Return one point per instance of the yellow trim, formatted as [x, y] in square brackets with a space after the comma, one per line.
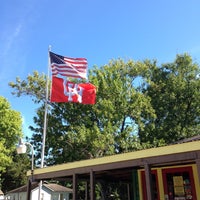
[196, 181]
[140, 184]
[160, 151]
[160, 184]
[177, 166]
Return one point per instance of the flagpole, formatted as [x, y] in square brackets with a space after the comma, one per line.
[45, 123]
[45, 113]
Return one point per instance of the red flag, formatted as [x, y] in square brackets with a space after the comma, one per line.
[65, 91]
[69, 67]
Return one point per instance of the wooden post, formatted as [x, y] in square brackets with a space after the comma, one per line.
[86, 190]
[198, 164]
[148, 181]
[135, 189]
[92, 185]
[28, 195]
[128, 191]
[75, 184]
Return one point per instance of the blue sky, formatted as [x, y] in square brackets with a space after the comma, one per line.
[99, 30]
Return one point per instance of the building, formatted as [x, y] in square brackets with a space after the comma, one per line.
[50, 191]
[164, 173]
[1, 195]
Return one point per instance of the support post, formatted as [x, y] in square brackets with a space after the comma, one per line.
[128, 191]
[198, 168]
[28, 194]
[86, 190]
[75, 184]
[92, 185]
[148, 179]
[135, 189]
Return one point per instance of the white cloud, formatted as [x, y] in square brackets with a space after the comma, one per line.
[12, 38]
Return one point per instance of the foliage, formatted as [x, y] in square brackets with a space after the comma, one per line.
[10, 131]
[138, 105]
[174, 89]
[78, 131]
[33, 87]
[11, 171]
[15, 174]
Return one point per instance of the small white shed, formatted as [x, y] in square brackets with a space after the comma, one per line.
[1, 195]
[50, 191]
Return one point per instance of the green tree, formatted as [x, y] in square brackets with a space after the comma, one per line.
[10, 131]
[174, 89]
[77, 131]
[15, 174]
[139, 105]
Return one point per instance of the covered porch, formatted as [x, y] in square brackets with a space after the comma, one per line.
[124, 168]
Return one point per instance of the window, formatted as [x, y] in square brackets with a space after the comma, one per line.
[42, 196]
[179, 184]
[61, 196]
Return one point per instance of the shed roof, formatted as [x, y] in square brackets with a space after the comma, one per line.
[57, 188]
[51, 186]
[24, 188]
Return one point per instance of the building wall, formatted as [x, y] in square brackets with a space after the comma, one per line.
[47, 195]
[60, 196]
[44, 195]
[34, 195]
[158, 173]
[16, 196]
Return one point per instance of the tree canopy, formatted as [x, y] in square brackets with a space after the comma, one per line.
[174, 89]
[12, 166]
[10, 131]
[138, 105]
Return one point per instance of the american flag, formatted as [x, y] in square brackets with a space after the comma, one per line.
[69, 67]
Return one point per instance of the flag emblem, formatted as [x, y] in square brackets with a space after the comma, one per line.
[65, 91]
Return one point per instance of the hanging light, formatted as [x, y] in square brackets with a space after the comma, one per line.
[21, 147]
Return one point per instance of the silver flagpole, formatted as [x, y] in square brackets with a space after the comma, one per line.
[45, 123]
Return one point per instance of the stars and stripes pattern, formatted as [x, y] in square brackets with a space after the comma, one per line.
[68, 67]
